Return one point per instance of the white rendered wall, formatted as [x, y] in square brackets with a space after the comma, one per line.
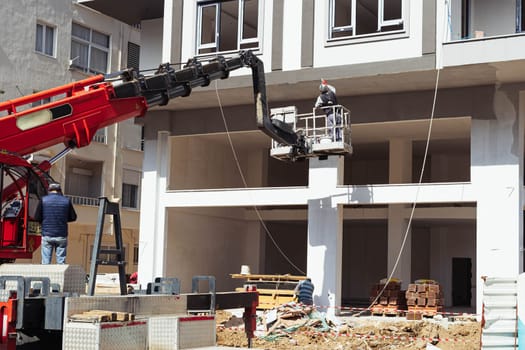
[151, 43]
[152, 240]
[325, 232]
[292, 25]
[484, 51]
[496, 158]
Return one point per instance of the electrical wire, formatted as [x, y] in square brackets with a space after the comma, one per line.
[420, 181]
[236, 158]
[414, 204]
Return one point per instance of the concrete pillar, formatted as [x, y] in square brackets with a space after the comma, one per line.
[496, 173]
[400, 161]
[172, 31]
[399, 245]
[440, 262]
[152, 239]
[399, 234]
[325, 232]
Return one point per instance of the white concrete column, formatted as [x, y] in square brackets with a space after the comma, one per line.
[167, 28]
[399, 245]
[496, 173]
[292, 40]
[152, 239]
[325, 232]
[399, 234]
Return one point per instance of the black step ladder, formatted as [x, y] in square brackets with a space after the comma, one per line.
[108, 208]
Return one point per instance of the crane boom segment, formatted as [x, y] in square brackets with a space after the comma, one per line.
[71, 114]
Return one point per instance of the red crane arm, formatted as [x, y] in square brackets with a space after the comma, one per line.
[77, 110]
[88, 105]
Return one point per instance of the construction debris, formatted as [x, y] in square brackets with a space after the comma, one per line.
[274, 290]
[295, 325]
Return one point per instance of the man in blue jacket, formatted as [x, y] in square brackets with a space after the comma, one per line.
[54, 211]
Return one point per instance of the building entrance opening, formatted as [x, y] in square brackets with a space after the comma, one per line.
[461, 281]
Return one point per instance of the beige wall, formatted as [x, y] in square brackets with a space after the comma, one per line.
[24, 71]
[207, 161]
[210, 241]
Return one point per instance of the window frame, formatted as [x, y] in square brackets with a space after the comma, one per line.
[132, 173]
[45, 26]
[215, 45]
[135, 254]
[135, 196]
[352, 26]
[90, 45]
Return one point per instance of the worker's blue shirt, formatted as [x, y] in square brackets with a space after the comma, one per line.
[54, 212]
[305, 292]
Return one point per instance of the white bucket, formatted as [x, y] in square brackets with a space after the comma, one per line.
[245, 270]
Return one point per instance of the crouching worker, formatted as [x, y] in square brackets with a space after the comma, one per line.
[304, 292]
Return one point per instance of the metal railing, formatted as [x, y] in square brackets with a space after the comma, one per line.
[80, 200]
[100, 138]
[317, 127]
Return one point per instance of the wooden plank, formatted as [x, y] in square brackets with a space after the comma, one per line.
[258, 277]
[112, 316]
[269, 302]
[385, 310]
[271, 291]
[102, 316]
[90, 317]
[425, 310]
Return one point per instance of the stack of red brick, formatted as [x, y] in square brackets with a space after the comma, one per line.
[392, 299]
[425, 297]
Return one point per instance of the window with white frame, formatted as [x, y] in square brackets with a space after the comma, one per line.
[89, 49]
[130, 188]
[227, 25]
[351, 18]
[45, 39]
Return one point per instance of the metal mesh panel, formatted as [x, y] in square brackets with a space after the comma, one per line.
[70, 278]
[144, 305]
[180, 332]
[106, 336]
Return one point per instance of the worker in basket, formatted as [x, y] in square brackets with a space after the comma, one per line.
[327, 100]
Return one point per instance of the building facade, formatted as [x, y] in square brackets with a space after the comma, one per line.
[450, 209]
[46, 44]
[433, 189]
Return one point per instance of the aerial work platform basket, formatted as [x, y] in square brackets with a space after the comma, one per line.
[323, 135]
